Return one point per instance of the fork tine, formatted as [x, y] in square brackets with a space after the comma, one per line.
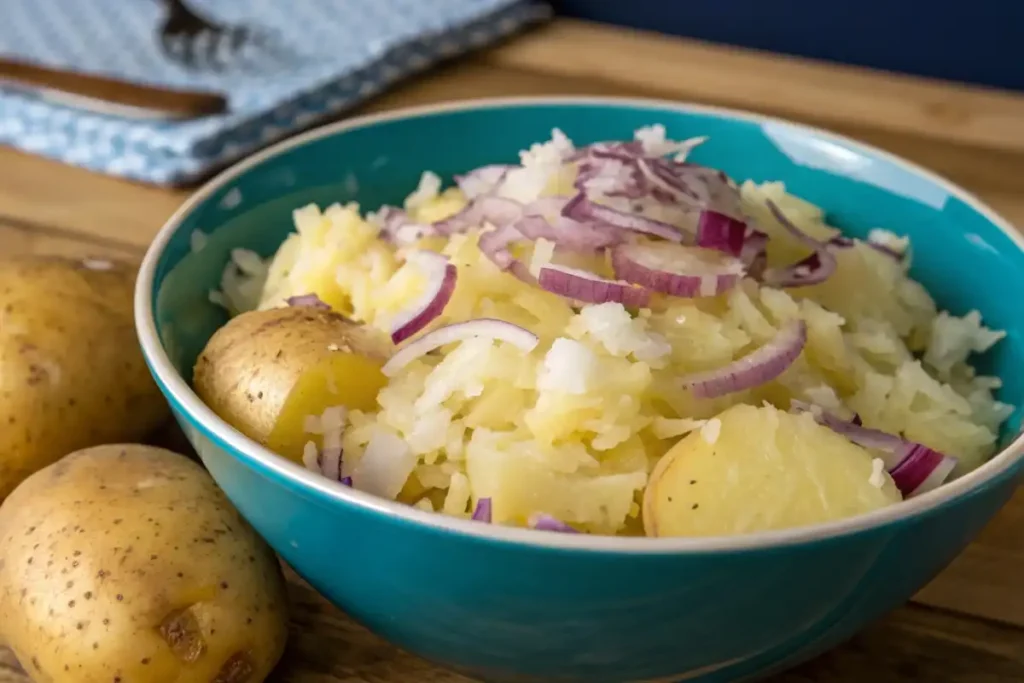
[212, 52]
[188, 50]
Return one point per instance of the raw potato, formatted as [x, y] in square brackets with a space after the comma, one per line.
[758, 469]
[265, 371]
[127, 563]
[71, 372]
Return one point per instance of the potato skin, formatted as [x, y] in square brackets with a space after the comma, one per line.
[127, 563]
[251, 364]
[71, 371]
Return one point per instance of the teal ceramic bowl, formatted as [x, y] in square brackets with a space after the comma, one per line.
[507, 604]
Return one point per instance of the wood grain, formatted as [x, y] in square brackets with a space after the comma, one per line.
[967, 626]
[912, 644]
[790, 86]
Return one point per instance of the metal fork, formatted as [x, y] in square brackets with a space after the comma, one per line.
[196, 42]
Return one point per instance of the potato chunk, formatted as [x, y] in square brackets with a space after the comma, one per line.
[758, 469]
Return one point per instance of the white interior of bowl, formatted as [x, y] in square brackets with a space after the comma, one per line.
[998, 465]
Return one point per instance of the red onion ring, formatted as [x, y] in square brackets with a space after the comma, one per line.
[499, 330]
[757, 367]
[494, 244]
[398, 228]
[590, 288]
[754, 254]
[718, 231]
[675, 269]
[441, 278]
[581, 209]
[487, 209]
[914, 467]
[812, 270]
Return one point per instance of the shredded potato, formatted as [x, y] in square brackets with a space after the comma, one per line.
[575, 428]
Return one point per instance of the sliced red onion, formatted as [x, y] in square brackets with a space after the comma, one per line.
[855, 432]
[591, 288]
[677, 186]
[675, 269]
[330, 462]
[717, 231]
[441, 278]
[914, 467]
[544, 522]
[482, 512]
[841, 242]
[346, 481]
[481, 327]
[887, 250]
[543, 219]
[494, 244]
[627, 151]
[484, 210]
[754, 253]
[483, 180]
[664, 186]
[399, 228]
[311, 300]
[568, 234]
[921, 470]
[760, 366]
[816, 268]
[580, 208]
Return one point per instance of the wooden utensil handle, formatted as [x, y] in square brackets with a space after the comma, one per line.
[108, 95]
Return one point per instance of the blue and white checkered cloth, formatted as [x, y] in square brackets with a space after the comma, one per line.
[323, 57]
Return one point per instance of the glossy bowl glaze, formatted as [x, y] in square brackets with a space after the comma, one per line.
[515, 605]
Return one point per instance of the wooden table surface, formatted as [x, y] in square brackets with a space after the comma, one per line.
[968, 625]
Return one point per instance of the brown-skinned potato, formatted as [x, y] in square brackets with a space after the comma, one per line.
[265, 371]
[127, 563]
[71, 372]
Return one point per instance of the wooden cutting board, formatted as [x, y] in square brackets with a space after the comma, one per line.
[966, 627]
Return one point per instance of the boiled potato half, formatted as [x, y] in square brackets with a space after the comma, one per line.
[265, 371]
[758, 469]
[71, 372]
[127, 563]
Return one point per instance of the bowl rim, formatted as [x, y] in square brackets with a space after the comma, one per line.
[270, 464]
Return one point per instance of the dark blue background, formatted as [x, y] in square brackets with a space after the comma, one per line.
[977, 41]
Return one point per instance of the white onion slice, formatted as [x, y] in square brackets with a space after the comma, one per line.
[580, 208]
[590, 288]
[441, 278]
[675, 269]
[482, 327]
[757, 367]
